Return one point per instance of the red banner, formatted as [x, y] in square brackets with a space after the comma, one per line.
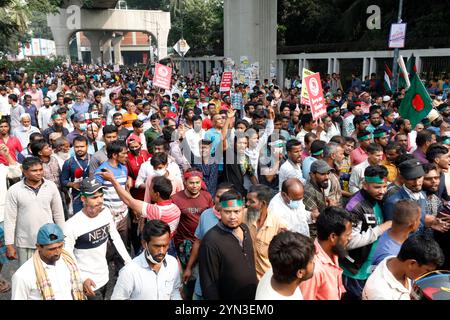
[315, 94]
[227, 79]
[163, 76]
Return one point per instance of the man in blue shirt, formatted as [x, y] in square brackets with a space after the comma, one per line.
[80, 105]
[75, 169]
[117, 153]
[406, 220]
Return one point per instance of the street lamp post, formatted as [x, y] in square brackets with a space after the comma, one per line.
[396, 52]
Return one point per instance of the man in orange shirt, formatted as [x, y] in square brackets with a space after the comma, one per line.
[129, 116]
[334, 230]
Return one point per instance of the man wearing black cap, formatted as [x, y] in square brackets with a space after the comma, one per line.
[317, 189]
[87, 235]
[369, 226]
[412, 174]
[45, 276]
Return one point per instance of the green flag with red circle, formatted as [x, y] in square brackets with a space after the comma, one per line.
[417, 102]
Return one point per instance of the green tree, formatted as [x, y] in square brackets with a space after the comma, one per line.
[15, 18]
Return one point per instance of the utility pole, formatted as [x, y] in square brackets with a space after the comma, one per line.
[182, 37]
[396, 52]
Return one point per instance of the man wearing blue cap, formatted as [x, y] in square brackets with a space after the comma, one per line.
[46, 276]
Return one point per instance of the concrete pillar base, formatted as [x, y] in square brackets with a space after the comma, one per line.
[94, 39]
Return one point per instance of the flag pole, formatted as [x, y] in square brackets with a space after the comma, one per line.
[396, 52]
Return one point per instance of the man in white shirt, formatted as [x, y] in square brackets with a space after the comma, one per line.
[153, 275]
[375, 156]
[4, 104]
[147, 169]
[393, 277]
[45, 115]
[24, 131]
[193, 137]
[288, 205]
[291, 168]
[51, 274]
[87, 234]
[291, 255]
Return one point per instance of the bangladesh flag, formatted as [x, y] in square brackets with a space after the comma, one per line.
[417, 102]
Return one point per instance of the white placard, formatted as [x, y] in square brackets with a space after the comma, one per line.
[397, 35]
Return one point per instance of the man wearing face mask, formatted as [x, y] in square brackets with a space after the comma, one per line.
[288, 205]
[192, 138]
[159, 162]
[87, 234]
[153, 275]
[263, 226]
[80, 126]
[334, 232]
[136, 157]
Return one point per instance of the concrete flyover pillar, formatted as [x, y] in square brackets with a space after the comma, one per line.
[61, 37]
[105, 43]
[250, 29]
[94, 40]
[116, 42]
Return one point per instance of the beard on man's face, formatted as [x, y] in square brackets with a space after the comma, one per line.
[253, 214]
[339, 250]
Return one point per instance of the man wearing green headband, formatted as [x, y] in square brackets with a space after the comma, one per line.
[226, 257]
[316, 154]
[366, 206]
[87, 234]
[381, 137]
[359, 155]
[375, 156]
[336, 122]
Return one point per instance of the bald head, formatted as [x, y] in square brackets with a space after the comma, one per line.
[292, 189]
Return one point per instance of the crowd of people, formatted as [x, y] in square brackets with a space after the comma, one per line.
[196, 194]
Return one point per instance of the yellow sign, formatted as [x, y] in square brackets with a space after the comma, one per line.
[305, 97]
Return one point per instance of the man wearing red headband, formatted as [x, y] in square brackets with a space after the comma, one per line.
[192, 201]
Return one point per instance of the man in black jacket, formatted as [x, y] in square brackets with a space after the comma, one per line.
[226, 259]
[366, 205]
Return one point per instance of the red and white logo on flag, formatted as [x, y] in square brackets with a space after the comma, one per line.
[315, 93]
[163, 76]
